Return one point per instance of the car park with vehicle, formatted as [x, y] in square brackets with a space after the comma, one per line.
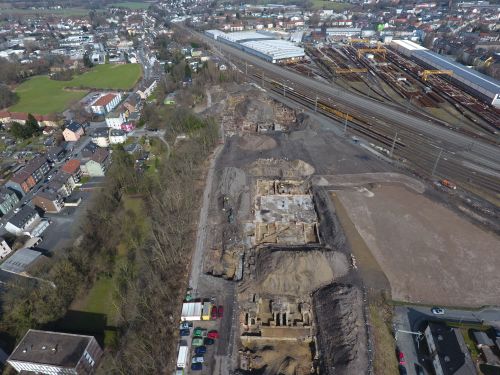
[185, 332]
[200, 350]
[208, 341]
[198, 359]
[213, 335]
[220, 311]
[196, 366]
[437, 311]
[197, 341]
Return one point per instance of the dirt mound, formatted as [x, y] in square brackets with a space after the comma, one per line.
[256, 142]
[280, 168]
[292, 272]
[254, 110]
[341, 330]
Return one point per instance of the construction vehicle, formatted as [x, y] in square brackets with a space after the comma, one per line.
[350, 70]
[354, 40]
[427, 73]
[449, 184]
[182, 356]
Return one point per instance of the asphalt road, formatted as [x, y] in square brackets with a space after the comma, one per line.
[482, 153]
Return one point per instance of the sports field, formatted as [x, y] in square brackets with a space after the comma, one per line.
[43, 96]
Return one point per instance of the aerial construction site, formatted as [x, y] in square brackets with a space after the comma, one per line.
[307, 229]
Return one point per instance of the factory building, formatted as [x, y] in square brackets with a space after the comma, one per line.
[261, 44]
[484, 87]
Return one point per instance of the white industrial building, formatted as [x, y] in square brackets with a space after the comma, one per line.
[261, 44]
[484, 87]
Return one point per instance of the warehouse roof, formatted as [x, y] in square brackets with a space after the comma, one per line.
[460, 70]
[242, 36]
[20, 261]
[277, 49]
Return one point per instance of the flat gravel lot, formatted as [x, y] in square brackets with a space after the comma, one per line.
[429, 254]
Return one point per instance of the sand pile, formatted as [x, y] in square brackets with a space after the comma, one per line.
[292, 272]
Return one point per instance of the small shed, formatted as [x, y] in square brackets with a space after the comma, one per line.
[191, 311]
[482, 339]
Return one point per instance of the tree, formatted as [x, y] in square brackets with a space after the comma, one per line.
[28, 130]
[7, 97]
[187, 71]
[87, 62]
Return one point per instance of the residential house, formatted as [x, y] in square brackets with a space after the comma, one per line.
[56, 154]
[147, 89]
[448, 351]
[27, 177]
[98, 163]
[72, 167]
[117, 136]
[132, 148]
[89, 149]
[26, 222]
[106, 103]
[8, 200]
[73, 132]
[20, 262]
[133, 103]
[4, 248]
[48, 200]
[115, 119]
[46, 352]
[128, 127]
[62, 183]
[100, 137]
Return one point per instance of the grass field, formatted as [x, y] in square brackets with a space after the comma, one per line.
[330, 5]
[131, 5]
[42, 95]
[8, 9]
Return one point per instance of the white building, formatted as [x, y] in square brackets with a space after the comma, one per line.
[4, 248]
[115, 119]
[191, 311]
[26, 222]
[117, 136]
[100, 137]
[106, 103]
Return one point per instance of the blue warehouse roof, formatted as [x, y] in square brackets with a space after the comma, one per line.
[441, 62]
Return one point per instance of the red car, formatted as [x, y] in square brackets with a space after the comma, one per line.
[401, 358]
[213, 335]
[214, 312]
[220, 311]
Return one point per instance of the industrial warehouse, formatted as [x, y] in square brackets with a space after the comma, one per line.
[486, 88]
[261, 44]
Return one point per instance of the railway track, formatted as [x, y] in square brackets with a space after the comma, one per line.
[416, 148]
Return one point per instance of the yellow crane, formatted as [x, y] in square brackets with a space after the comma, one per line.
[427, 73]
[354, 40]
[350, 70]
[379, 50]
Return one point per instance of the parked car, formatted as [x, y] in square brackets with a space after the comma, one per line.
[185, 332]
[200, 350]
[401, 357]
[208, 341]
[437, 311]
[198, 359]
[402, 370]
[186, 325]
[200, 332]
[197, 341]
[214, 312]
[220, 311]
[196, 366]
[213, 335]
[419, 370]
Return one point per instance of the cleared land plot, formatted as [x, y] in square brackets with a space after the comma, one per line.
[7, 9]
[429, 254]
[42, 95]
[324, 4]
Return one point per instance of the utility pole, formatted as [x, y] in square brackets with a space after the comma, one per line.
[393, 144]
[284, 89]
[316, 104]
[437, 161]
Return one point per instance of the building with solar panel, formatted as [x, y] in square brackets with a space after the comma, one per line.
[483, 87]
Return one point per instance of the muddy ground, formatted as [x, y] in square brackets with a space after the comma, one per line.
[430, 254]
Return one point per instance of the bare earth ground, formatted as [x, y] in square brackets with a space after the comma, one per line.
[428, 253]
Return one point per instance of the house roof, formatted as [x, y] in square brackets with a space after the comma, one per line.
[47, 194]
[5, 193]
[23, 216]
[74, 127]
[23, 174]
[51, 348]
[100, 155]
[482, 338]
[20, 260]
[104, 100]
[71, 166]
[100, 132]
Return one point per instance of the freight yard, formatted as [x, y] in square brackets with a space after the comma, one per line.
[304, 232]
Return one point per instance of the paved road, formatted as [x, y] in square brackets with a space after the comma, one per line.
[452, 140]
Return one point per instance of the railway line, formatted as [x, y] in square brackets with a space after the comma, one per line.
[423, 143]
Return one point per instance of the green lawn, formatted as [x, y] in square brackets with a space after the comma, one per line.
[330, 5]
[42, 95]
[131, 5]
[66, 12]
